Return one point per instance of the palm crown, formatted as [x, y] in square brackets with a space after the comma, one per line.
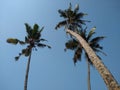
[32, 39]
[72, 18]
[73, 44]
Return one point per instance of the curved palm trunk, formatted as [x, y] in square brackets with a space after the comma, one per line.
[89, 84]
[102, 69]
[27, 72]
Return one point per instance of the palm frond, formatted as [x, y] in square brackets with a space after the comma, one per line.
[62, 13]
[41, 29]
[77, 55]
[17, 58]
[92, 31]
[60, 24]
[12, 41]
[96, 45]
[37, 33]
[81, 22]
[97, 39]
[71, 44]
[100, 51]
[83, 33]
[80, 15]
[21, 42]
[35, 27]
[70, 7]
[28, 29]
[42, 39]
[76, 8]
[43, 45]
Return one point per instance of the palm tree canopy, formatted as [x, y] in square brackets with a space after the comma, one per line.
[73, 44]
[32, 39]
[72, 18]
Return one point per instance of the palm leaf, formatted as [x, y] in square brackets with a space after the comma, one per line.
[62, 13]
[43, 45]
[71, 44]
[42, 39]
[28, 30]
[36, 27]
[97, 39]
[77, 55]
[100, 51]
[76, 8]
[41, 29]
[21, 42]
[12, 41]
[60, 24]
[17, 58]
[92, 31]
[80, 15]
[70, 6]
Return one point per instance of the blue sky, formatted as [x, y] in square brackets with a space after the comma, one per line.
[54, 69]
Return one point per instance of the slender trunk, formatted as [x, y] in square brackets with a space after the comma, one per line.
[89, 84]
[27, 72]
[102, 69]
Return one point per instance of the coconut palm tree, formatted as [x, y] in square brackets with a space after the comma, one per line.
[32, 40]
[73, 19]
[96, 61]
[74, 45]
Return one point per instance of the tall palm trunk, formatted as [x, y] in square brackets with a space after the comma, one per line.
[102, 69]
[89, 84]
[27, 72]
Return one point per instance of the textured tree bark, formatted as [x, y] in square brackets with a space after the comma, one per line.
[102, 69]
[27, 72]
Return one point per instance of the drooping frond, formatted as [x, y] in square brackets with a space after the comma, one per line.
[60, 24]
[71, 44]
[77, 55]
[12, 40]
[62, 13]
[26, 52]
[15, 41]
[43, 45]
[97, 39]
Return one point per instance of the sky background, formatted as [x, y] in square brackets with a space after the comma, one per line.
[54, 69]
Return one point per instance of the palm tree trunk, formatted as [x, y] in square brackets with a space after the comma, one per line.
[89, 84]
[27, 72]
[102, 69]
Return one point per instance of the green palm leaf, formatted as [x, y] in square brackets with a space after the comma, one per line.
[92, 31]
[97, 39]
[43, 45]
[60, 24]
[12, 40]
[71, 44]
[77, 55]
[76, 8]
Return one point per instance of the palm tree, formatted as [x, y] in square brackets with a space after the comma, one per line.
[73, 19]
[74, 45]
[32, 40]
[96, 61]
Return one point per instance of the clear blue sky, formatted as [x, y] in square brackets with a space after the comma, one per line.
[54, 69]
